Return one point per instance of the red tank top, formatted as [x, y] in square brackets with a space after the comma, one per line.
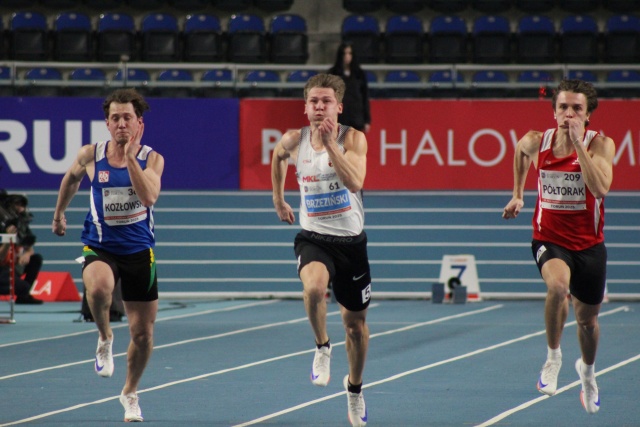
[566, 212]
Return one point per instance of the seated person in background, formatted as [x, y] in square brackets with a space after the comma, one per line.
[14, 218]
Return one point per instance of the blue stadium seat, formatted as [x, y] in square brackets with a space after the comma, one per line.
[247, 40]
[93, 82]
[622, 40]
[586, 75]
[116, 37]
[448, 39]
[533, 82]
[289, 40]
[299, 77]
[579, 39]
[135, 77]
[491, 40]
[170, 84]
[448, 7]
[73, 37]
[492, 7]
[490, 84]
[402, 84]
[160, 38]
[404, 40]
[536, 40]
[362, 6]
[261, 84]
[203, 38]
[216, 83]
[405, 7]
[29, 37]
[363, 32]
[43, 81]
[622, 84]
[6, 83]
[445, 85]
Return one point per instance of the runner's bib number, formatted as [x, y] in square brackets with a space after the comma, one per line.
[563, 191]
[121, 206]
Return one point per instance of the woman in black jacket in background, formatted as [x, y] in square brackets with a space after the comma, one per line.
[356, 111]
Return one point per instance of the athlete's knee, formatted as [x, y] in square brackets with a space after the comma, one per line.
[557, 288]
[356, 329]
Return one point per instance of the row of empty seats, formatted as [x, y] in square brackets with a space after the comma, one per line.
[536, 39]
[160, 39]
[489, 6]
[45, 81]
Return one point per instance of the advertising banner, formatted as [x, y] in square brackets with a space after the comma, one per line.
[40, 137]
[438, 144]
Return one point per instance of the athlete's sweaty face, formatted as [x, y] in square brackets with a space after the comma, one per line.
[122, 122]
[571, 106]
[322, 103]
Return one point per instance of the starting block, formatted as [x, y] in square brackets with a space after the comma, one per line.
[55, 286]
[457, 272]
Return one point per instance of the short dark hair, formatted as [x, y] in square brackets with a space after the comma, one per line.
[327, 81]
[126, 96]
[577, 86]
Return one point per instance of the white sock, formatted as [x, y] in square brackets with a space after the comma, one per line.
[588, 370]
[554, 354]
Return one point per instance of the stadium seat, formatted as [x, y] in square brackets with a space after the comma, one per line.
[160, 38]
[233, 5]
[272, 6]
[91, 82]
[404, 40]
[203, 38]
[299, 77]
[586, 75]
[621, 6]
[402, 84]
[136, 78]
[491, 40]
[445, 85]
[535, 40]
[622, 40]
[362, 6]
[579, 6]
[289, 41]
[490, 84]
[448, 40]
[405, 7]
[28, 37]
[73, 37]
[6, 83]
[622, 84]
[43, 81]
[261, 84]
[448, 7]
[579, 39]
[247, 40]
[491, 7]
[363, 32]
[533, 83]
[535, 6]
[216, 84]
[116, 37]
[170, 84]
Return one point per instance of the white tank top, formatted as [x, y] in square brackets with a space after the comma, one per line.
[326, 206]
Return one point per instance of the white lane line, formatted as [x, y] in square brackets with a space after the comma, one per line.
[413, 371]
[525, 405]
[245, 366]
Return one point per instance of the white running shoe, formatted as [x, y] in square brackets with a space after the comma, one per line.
[132, 412]
[548, 381]
[356, 408]
[104, 358]
[589, 394]
[321, 369]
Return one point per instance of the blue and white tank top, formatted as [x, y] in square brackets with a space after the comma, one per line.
[117, 221]
[326, 206]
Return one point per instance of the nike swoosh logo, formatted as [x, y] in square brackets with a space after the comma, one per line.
[541, 384]
[359, 277]
[98, 367]
[365, 416]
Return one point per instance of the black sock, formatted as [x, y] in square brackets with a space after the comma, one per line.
[354, 388]
[324, 345]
